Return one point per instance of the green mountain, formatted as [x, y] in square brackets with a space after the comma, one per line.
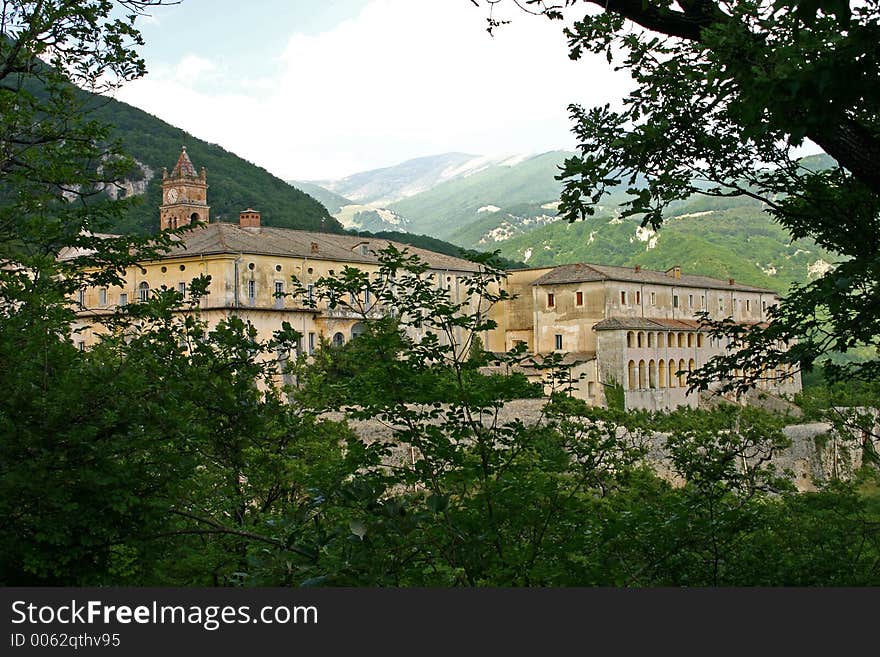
[740, 242]
[465, 209]
[234, 183]
[331, 200]
[379, 187]
[510, 205]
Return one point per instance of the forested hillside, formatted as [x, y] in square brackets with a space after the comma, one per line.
[739, 242]
[233, 183]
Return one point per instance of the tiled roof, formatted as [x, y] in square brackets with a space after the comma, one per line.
[585, 273]
[644, 324]
[654, 324]
[184, 167]
[218, 238]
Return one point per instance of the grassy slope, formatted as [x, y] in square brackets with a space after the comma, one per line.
[452, 205]
[331, 200]
[735, 243]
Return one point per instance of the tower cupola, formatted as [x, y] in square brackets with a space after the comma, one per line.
[184, 195]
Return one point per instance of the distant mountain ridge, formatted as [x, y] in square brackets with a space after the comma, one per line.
[510, 205]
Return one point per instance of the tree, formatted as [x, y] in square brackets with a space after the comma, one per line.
[55, 161]
[725, 90]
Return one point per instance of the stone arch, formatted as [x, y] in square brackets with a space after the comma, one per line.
[338, 339]
[631, 368]
[144, 291]
[630, 339]
[640, 340]
[650, 340]
[690, 339]
[358, 329]
[671, 373]
[682, 379]
[661, 374]
[699, 339]
[681, 340]
[661, 340]
[641, 375]
[652, 373]
[194, 218]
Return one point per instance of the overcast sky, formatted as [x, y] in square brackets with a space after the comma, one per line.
[313, 89]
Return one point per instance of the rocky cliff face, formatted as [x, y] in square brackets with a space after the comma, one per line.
[136, 186]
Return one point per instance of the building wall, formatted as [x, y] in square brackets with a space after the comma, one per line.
[566, 317]
[245, 285]
[684, 302]
[515, 318]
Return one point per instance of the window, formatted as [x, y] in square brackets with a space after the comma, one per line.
[702, 301]
[748, 305]
[123, 299]
[310, 292]
[352, 299]
[733, 305]
[311, 342]
[279, 294]
[551, 300]
[338, 340]
[366, 296]
[365, 249]
[579, 298]
[638, 297]
[181, 287]
[252, 291]
[102, 296]
[81, 296]
[763, 306]
[144, 291]
[558, 341]
[81, 346]
[623, 297]
[675, 301]
[690, 301]
[591, 388]
[721, 305]
[653, 298]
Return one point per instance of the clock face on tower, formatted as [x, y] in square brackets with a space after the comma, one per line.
[172, 195]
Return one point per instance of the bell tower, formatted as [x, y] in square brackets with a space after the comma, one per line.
[184, 195]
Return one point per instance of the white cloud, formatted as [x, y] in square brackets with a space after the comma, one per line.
[192, 69]
[402, 79]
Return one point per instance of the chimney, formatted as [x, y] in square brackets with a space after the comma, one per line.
[249, 218]
[730, 281]
[675, 272]
[637, 268]
[314, 247]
